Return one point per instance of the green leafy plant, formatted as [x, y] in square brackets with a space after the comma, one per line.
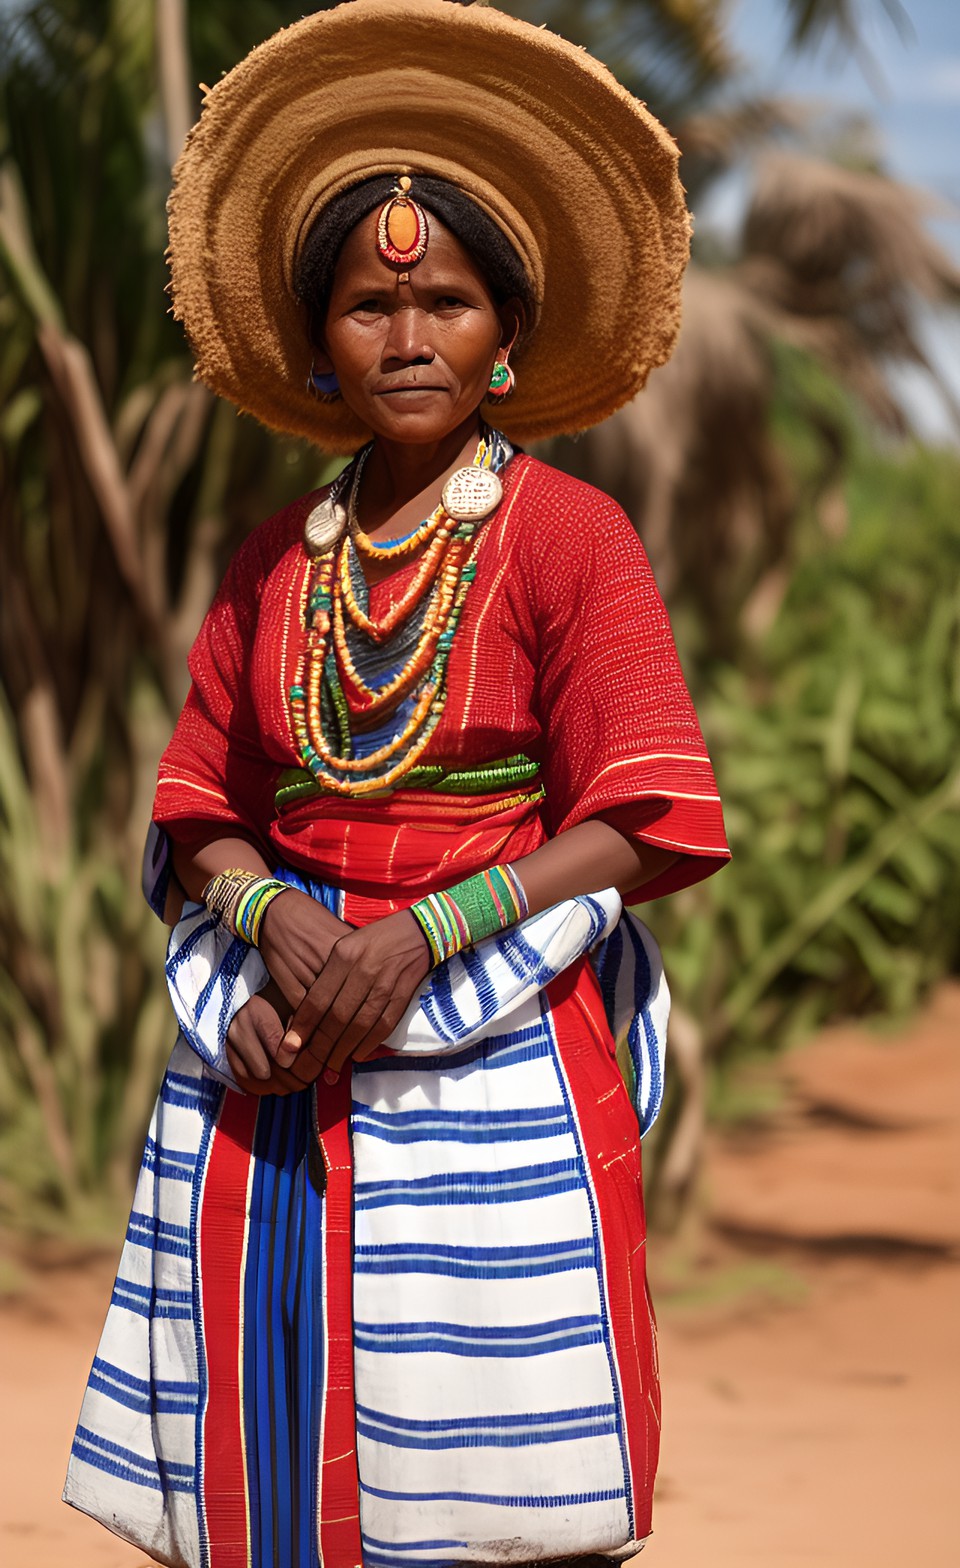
[837, 745]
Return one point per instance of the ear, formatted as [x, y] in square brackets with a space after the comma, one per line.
[322, 362]
[512, 318]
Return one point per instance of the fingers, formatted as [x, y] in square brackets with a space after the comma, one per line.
[360, 1046]
[352, 1019]
[296, 937]
[357, 999]
[253, 1046]
[278, 1082]
[244, 1045]
[325, 991]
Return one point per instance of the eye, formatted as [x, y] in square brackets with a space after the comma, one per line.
[450, 302]
[366, 307]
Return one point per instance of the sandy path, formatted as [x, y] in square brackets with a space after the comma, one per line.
[826, 1431]
[825, 1434]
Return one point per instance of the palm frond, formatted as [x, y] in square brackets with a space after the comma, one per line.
[837, 260]
[812, 21]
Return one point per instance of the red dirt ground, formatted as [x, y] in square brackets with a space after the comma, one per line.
[810, 1364]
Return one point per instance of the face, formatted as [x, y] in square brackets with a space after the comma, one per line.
[413, 359]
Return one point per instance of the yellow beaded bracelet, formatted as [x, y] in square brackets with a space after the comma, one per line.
[241, 899]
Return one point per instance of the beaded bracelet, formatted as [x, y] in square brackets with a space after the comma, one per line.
[475, 908]
[241, 899]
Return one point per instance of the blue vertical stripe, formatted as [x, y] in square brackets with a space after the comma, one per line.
[282, 1353]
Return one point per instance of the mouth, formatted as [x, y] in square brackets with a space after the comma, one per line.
[410, 389]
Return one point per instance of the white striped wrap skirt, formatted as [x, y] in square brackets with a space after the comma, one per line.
[402, 1321]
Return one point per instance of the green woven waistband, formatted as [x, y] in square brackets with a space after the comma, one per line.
[490, 778]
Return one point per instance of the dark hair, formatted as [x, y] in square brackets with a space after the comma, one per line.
[488, 245]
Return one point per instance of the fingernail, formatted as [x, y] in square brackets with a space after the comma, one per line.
[330, 1076]
[285, 1057]
[291, 1042]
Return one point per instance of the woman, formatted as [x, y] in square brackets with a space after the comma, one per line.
[388, 1302]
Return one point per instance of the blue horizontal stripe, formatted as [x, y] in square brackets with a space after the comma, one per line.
[163, 1396]
[130, 1303]
[131, 1466]
[461, 1132]
[123, 1396]
[512, 1185]
[143, 1404]
[147, 1302]
[174, 1164]
[560, 1434]
[476, 1262]
[180, 1090]
[534, 1113]
[145, 1230]
[130, 1456]
[500, 1051]
[480, 1330]
[562, 1500]
[409, 1546]
[168, 1170]
[532, 1418]
[117, 1468]
[524, 1251]
[471, 1195]
[159, 1292]
[453, 1269]
[437, 1345]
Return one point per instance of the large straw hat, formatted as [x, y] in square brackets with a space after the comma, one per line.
[576, 172]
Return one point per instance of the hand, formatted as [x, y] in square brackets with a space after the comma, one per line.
[359, 997]
[297, 936]
[253, 1041]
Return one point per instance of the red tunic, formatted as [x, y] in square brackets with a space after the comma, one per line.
[564, 652]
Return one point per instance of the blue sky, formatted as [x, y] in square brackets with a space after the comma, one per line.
[909, 88]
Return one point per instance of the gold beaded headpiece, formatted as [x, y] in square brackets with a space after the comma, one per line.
[402, 231]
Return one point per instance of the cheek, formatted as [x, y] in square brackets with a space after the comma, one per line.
[470, 347]
[354, 346]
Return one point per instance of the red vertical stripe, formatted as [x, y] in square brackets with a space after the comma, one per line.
[339, 1486]
[611, 1144]
[223, 1228]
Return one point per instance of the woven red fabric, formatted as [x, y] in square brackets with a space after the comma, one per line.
[564, 652]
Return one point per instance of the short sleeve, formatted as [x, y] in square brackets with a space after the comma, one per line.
[216, 768]
[621, 737]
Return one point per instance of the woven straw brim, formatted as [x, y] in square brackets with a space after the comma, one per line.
[577, 173]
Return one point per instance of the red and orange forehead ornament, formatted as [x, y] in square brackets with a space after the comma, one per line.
[402, 231]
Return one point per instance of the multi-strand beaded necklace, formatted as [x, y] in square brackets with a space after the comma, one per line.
[370, 690]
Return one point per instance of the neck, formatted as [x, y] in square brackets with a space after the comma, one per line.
[397, 474]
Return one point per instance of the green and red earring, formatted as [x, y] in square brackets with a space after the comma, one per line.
[502, 381]
[502, 378]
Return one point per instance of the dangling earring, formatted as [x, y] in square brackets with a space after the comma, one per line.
[502, 381]
[326, 388]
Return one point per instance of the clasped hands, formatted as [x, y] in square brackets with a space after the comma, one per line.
[343, 991]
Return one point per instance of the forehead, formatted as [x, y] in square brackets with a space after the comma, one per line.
[446, 258]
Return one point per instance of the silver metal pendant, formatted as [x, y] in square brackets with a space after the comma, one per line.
[326, 524]
[471, 493]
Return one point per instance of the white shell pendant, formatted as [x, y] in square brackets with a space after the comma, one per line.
[325, 525]
[471, 493]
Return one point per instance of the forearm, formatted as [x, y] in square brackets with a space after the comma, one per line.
[585, 859]
[195, 863]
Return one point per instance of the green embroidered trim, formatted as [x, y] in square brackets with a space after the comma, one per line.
[491, 778]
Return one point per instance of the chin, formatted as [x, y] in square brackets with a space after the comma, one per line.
[417, 425]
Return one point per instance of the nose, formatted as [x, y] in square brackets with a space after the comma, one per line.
[407, 340]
